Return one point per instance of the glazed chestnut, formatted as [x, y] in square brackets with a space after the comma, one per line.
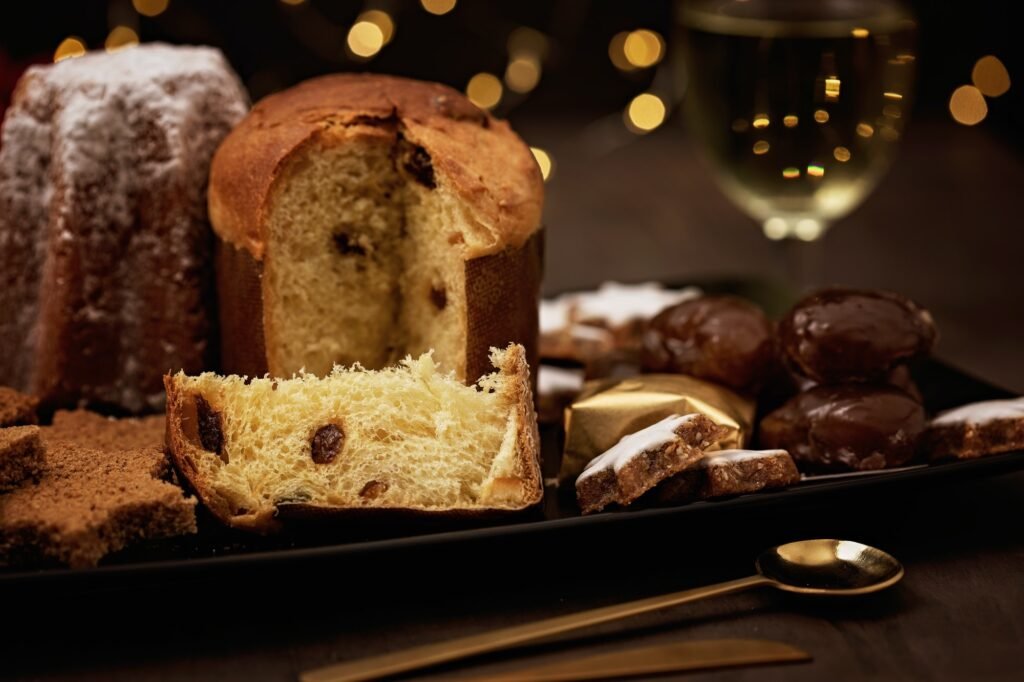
[849, 427]
[720, 338]
[840, 335]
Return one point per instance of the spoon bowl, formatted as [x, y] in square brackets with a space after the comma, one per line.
[839, 567]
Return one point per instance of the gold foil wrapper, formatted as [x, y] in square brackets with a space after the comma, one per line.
[607, 410]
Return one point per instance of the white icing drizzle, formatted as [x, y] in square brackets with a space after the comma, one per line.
[551, 380]
[727, 457]
[631, 445]
[612, 304]
[981, 413]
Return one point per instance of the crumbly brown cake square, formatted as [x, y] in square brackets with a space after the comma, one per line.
[975, 430]
[17, 409]
[644, 459]
[101, 490]
[730, 472]
[21, 455]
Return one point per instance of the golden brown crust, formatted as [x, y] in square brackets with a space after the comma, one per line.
[474, 156]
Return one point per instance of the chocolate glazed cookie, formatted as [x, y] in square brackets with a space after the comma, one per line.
[719, 338]
[850, 427]
[840, 335]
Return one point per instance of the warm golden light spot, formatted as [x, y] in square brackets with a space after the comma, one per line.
[484, 90]
[990, 76]
[790, 173]
[522, 74]
[892, 111]
[740, 125]
[865, 130]
[544, 161]
[293, 3]
[842, 154]
[119, 38]
[967, 105]
[761, 147]
[889, 134]
[69, 48]
[527, 42]
[150, 8]
[902, 59]
[821, 116]
[438, 7]
[761, 121]
[790, 121]
[381, 20]
[643, 48]
[365, 39]
[645, 113]
[832, 89]
[775, 229]
[617, 51]
[860, 33]
[807, 229]
[815, 171]
[892, 95]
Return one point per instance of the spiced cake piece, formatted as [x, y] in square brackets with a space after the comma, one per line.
[977, 429]
[101, 490]
[725, 473]
[105, 249]
[16, 408]
[642, 460]
[21, 455]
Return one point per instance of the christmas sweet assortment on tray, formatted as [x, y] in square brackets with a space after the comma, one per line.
[372, 248]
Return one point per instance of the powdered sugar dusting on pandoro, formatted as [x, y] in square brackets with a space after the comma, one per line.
[981, 413]
[727, 457]
[92, 148]
[653, 437]
[612, 304]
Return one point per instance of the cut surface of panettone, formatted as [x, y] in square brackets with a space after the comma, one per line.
[403, 439]
[102, 489]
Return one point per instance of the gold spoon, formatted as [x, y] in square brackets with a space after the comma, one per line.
[825, 567]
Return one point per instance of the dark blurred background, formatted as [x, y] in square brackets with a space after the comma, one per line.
[944, 226]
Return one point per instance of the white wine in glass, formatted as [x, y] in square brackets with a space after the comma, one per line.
[798, 103]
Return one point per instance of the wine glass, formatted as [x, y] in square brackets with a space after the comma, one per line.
[799, 104]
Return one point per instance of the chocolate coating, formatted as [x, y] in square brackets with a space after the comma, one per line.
[850, 427]
[719, 338]
[840, 335]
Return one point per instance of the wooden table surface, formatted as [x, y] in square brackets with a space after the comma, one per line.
[944, 228]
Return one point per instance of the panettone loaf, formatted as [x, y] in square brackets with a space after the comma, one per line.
[362, 218]
[105, 249]
[405, 439]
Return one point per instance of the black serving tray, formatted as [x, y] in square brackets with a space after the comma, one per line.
[217, 551]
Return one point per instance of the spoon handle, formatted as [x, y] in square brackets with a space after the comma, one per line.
[443, 652]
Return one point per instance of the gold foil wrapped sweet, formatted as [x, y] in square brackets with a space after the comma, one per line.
[607, 410]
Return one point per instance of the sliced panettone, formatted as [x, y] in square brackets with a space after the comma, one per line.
[363, 218]
[403, 439]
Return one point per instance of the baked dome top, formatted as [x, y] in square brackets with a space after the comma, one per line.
[475, 157]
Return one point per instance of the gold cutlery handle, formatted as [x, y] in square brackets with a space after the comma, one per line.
[443, 652]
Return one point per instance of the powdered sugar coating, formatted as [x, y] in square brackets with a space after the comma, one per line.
[103, 231]
[612, 304]
[981, 413]
[729, 457]
[634, 444]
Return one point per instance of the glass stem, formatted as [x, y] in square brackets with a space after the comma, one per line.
[804, 263]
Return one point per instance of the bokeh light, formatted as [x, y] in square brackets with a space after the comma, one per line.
[761, 121]
[150, 8]
[645, 112]
[484, 90]
[791, 121]
[860, 33]
[527, 42]
[643, 48]
[69, 48]
[438, 7]
[990, 76]
[544, 162]
[865, 129]
[522, 74]
[841, 154]
[815, 171]
[121, 37]
[807, 229]
[967, 105]
[381, 20]
[775, 229]
[365, 39]
[821, 116]
[761, 147]
[791, 173]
